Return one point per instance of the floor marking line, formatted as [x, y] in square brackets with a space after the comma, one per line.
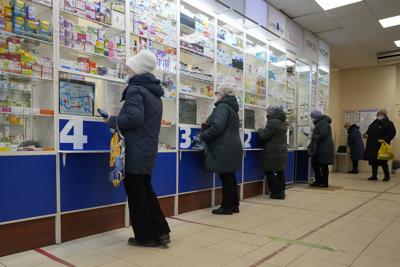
[270, 256]
[53, 257]
[274, 238]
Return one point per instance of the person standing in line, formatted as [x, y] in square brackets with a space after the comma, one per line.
[323, 148]
[139, 121]
[381, 129]
[224, 146]
[274, 141]
[356, 145]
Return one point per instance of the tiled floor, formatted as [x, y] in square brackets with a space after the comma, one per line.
[353, 223]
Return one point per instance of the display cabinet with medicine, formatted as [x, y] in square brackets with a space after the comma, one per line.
[153, 26]
[276, 76]
[323, 89]
[197, 69]
[256, 66]
[303, 73]
[314, 81]
[290, 101]
[26, 77]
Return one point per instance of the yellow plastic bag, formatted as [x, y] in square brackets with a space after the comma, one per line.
[386, 152]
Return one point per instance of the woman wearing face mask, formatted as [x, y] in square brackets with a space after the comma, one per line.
[140, 122]
[381, 129]
[323, 155]
[224, 146]
[274, 140]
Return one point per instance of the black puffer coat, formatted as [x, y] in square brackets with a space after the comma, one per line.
[274, 140]
[378, 129]
[224, 146]
[355, 142]
[322, 134]
[140, 122]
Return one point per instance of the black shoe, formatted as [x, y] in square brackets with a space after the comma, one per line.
[314, 184]
[353, 172]
[235, 210]
[149, 243]
[372, 178]
[221, 211]
[323, 185]
[386, 179]
[163, 240]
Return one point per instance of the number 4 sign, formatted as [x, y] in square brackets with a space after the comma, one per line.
[72, 133]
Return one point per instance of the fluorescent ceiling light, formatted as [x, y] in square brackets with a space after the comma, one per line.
[397, 43]
[390, 22]
[290, 63]
[330, 4]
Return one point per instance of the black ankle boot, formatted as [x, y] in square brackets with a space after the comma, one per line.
[221, 211]
[148, 243]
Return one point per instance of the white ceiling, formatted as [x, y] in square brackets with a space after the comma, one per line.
[353, 31]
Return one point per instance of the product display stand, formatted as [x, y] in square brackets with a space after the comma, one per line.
[61, 61]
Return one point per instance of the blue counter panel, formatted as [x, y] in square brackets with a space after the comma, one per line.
[290, 168]
[85, 182]
[27, 187]
[164, 174]
[253, 170]
[302, 166]
[192, 176]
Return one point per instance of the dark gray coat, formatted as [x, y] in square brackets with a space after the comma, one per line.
[224, 146]
[322, 134]
[378, 129]
[274, 141]
[355, 143]
[139, 121]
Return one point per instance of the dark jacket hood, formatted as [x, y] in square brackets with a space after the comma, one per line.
[324, 117]
[278, 114]
[148, 81]
[354, 126]
[231, 101]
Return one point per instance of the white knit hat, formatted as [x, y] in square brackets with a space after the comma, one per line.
[143, 62]
[227, 89]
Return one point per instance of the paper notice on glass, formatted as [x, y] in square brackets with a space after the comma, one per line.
[112, 101]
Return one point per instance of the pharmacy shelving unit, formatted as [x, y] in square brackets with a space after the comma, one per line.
[64, 169]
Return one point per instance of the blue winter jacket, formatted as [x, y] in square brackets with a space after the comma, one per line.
[139, 121]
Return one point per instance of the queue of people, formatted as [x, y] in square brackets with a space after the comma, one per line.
[140, 122]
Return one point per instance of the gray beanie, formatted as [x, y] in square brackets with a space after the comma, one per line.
[143, 62]
[227, 89]
[316, 114]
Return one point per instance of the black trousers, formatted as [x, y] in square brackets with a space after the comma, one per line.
[230, 194]
[376, 164]
[355, 165]
[321, 172]
[276, 182]
[148, 220]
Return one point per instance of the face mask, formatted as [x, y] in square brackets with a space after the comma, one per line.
[380, 117]
[127, 78]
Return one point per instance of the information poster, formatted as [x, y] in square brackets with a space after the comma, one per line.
[363, 118]
[76, 97]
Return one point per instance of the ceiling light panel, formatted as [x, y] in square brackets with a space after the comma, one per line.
[390, 22]
[331, 4]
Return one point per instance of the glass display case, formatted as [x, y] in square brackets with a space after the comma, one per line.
[276, 77]
[230, 57]
[197, 70]
[153, 26]
[26, 77]
[290, 101]
[314, 78]
[303, 73]
[323, 90]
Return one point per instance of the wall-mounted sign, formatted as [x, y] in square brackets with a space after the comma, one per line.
[310, 46]
[324, 53]
[294, 34]
[257, 10]
[276, 21]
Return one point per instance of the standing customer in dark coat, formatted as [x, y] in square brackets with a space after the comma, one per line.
[323, 155]
[356, 145]
[274, 140]
[224, 146]
[140, 122]
[381, 129]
